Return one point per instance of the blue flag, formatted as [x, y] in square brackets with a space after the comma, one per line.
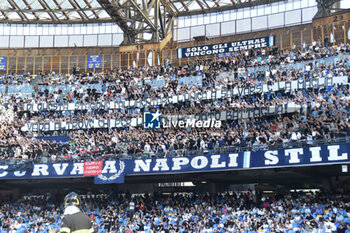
[112, 178]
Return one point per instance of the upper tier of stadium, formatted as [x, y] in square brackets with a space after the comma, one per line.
[289, 89]
[86, 116]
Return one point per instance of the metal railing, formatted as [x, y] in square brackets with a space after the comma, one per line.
[102, 155]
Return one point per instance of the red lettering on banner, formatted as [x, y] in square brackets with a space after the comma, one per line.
[93, 168]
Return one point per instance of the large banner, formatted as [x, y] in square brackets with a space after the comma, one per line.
[127, 122]
[234, 46]
[3, 62]
[94, 61]
[114, 171]
[210, 95]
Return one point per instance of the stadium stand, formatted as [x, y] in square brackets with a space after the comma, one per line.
[319, 115]
[102, 98]
[224, 212]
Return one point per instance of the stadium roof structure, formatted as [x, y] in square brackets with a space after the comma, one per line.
[140, 20]
[134, 17]
[95, 11]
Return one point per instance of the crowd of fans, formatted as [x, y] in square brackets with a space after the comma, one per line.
[319, 114]
[224, 212]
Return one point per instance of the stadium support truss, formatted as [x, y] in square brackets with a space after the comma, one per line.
[324, 7]
[148, 21]
[140, 20]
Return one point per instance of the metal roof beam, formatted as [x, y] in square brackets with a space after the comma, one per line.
[144, 16]
[52, 10]
[149, 6]
[169, 25]
[200, 4]
[4, 14]
[51, 13]
[81, 10]
[168, 7]
[128, 14]
[173, 5]
[225, 7]
[324, 7]
[184, 5]
[30, 8]
[205, 2]
[73, 3]
[94, 12]
[112, 8]
[20, 13]
[50, 21]
[216, 3]
[62, 11]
